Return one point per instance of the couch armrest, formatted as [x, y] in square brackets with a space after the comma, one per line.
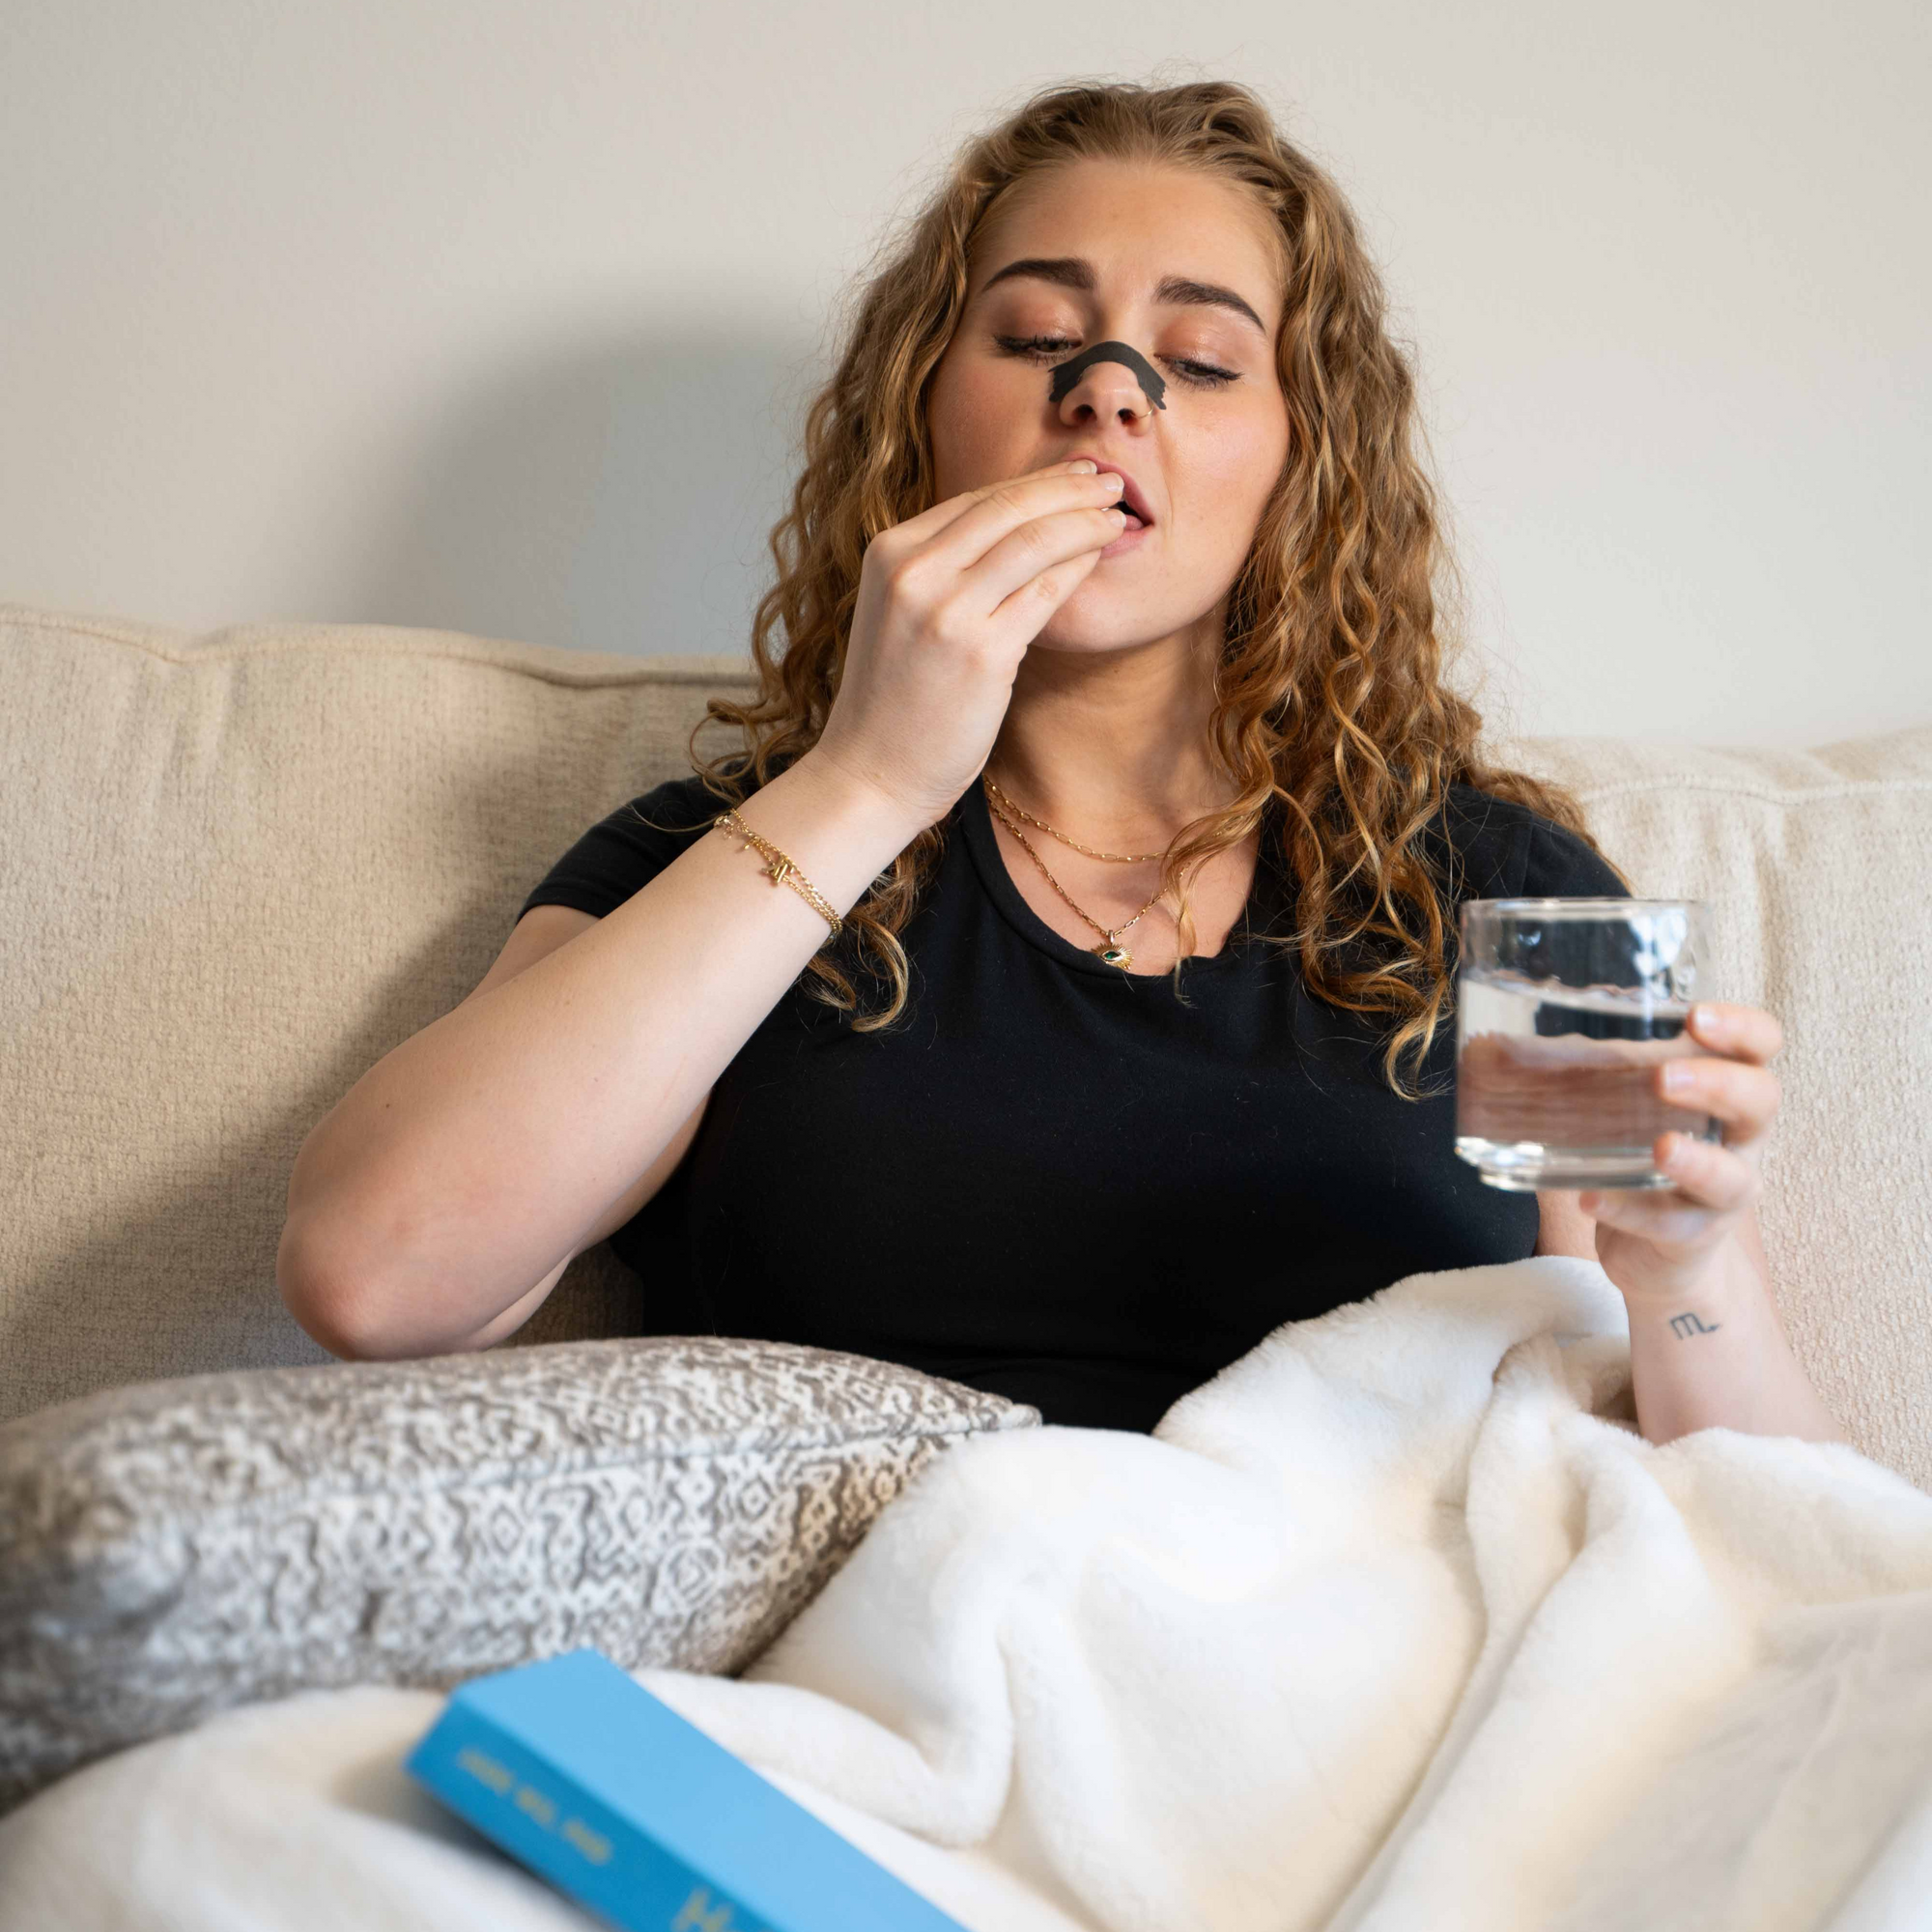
[176, 1547]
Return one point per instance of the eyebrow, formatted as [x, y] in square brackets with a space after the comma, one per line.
[1071, 272]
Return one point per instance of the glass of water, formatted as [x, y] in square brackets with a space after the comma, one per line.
[1564, 1008]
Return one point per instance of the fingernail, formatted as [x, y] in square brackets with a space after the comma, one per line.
[1679, 1077]
[1588, 1204]
[1706, 1018]
[1082, 464]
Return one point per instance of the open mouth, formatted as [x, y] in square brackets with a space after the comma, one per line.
[1139, 516]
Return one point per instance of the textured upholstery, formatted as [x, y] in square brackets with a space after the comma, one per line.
[242, 868]
[171, 1551]
[1818, 867]
[253, 861]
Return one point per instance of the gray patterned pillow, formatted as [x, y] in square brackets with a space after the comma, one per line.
[173, 1549]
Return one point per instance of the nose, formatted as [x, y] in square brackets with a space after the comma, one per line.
[1107, 392]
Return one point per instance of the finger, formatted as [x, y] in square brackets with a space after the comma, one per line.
[1021, 619]
[1706, 1179]
[1713, 1177]
[1741, 1033]
[916, 531]
[1036, 546]
[1005, 508]
[1744, 1096]
[1661, 1218]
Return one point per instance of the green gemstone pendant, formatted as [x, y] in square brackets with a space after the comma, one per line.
[1116, 956]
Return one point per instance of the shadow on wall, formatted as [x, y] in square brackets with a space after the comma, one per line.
[618, 500]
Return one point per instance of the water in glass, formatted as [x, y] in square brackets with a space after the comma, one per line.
[1556, 1082]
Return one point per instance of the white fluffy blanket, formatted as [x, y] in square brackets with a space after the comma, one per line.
[1396, 1626]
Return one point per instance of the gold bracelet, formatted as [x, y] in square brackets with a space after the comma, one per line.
[781, 872]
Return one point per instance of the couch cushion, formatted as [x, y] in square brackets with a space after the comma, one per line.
[1818, 867]
[253, 861]
[172, 1550]
[262, 855]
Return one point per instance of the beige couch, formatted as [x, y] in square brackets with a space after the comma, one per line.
[240, 866]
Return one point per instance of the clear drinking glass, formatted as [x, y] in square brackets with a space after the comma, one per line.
[1565, 1007]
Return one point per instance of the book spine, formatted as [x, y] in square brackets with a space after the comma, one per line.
[559, 1829]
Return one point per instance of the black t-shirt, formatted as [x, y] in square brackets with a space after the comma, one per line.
[1051, 1180]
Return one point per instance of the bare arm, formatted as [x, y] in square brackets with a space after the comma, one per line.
[434, 1206]
[479, 1156]
[1707, 1347]
[1711, 1355]
[538, 933]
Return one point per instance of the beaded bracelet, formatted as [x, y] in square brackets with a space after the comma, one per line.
[781, 872]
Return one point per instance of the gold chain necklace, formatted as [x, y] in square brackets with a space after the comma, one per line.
[1117, 858]
[1112, 951]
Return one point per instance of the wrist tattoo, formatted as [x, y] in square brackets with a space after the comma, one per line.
[1683, 1326]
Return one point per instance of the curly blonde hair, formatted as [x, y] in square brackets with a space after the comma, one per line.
[1330, 696]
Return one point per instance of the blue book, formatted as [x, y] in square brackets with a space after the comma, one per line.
[576, 1770]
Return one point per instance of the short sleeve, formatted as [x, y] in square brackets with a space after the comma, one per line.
[1503, 850]
[1560, 866]
[623, 853]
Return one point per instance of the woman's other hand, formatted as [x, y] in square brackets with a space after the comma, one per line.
[947, 603]
[1664, 1242]
[1708, 1348]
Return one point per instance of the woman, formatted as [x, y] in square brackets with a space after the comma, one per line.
[1065, 1006]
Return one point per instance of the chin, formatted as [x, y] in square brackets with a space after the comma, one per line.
[1099, 618]
[1081, 642]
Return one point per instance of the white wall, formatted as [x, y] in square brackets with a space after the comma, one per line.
[496, 316]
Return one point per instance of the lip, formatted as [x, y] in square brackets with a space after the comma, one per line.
[1131, 499]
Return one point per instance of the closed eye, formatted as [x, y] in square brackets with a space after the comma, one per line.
[1046, 348]
[1205, 373]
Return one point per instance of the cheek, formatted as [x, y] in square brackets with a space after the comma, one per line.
[1235, 473]
[977, 419]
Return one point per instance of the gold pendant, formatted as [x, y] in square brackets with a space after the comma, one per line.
[1116, 956]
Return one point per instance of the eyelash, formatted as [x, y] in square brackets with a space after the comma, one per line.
[1204, 375]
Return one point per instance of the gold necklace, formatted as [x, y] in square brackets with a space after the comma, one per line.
[1117, 858]
[1112, 951]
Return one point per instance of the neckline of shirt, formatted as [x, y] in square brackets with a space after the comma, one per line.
[976, 820]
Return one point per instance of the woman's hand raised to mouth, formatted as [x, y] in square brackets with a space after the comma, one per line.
[947, 603]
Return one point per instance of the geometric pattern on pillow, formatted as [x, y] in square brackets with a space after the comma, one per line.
[180, 1546]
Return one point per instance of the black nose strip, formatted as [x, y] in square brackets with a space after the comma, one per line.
[1145, 373]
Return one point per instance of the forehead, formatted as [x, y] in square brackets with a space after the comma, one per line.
[1137, 222]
